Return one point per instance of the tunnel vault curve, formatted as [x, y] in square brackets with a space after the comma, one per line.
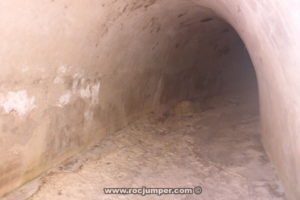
[268, 30]
[63, 64]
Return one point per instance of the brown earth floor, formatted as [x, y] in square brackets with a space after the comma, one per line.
[216, 146]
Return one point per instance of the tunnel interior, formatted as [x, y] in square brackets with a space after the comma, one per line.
[115, 93]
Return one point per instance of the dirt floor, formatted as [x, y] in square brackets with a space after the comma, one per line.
[214, 145]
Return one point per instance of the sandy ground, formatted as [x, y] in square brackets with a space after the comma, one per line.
[216, 146]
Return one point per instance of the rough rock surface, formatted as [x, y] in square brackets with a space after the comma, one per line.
[217, 148]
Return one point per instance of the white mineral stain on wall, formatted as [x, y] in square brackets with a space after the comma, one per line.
[84, 89]
[76, 82]
[58, 80]
[62, 69]
[18, 101]
[81, 87]
[64, 99]
[85, 92]
[91, 92]
[95, 93]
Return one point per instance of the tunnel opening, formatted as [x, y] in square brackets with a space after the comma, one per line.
[189, 74]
